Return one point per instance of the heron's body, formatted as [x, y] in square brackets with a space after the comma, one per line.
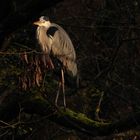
[55, 41]
[52, 41]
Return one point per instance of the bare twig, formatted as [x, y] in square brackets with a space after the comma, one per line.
[98, 107]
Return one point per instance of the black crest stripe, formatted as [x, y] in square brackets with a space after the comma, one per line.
[51, 31]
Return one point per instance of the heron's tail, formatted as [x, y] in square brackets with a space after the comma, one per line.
[72, 75]
[72, 82]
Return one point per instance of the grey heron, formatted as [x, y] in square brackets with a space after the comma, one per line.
[54, 41]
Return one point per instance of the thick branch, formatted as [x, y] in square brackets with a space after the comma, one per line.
[38, 105]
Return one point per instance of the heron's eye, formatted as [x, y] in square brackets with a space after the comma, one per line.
[42, 20]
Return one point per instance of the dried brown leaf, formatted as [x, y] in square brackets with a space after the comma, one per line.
[24, 57]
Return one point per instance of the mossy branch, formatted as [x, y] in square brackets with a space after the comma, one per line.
[36, 104]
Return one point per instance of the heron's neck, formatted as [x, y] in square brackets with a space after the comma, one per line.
[47, 24]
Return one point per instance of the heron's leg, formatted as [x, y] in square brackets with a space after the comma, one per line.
[57, 94]
[63, 87]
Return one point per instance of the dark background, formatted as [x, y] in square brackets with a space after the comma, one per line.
[106, 37]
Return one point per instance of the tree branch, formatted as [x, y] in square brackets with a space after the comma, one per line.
[38, 105]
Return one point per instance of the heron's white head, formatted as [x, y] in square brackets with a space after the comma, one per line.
[43, 21]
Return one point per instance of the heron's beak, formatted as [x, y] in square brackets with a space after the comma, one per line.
[37, 23]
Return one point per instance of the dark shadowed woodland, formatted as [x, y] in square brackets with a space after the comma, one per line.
[106, 37]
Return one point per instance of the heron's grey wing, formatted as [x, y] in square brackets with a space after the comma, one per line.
[61, 42]
[63, 49]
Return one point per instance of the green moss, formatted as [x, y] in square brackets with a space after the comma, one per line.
[83, 118]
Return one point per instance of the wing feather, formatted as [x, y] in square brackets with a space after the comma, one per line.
[63, 49]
